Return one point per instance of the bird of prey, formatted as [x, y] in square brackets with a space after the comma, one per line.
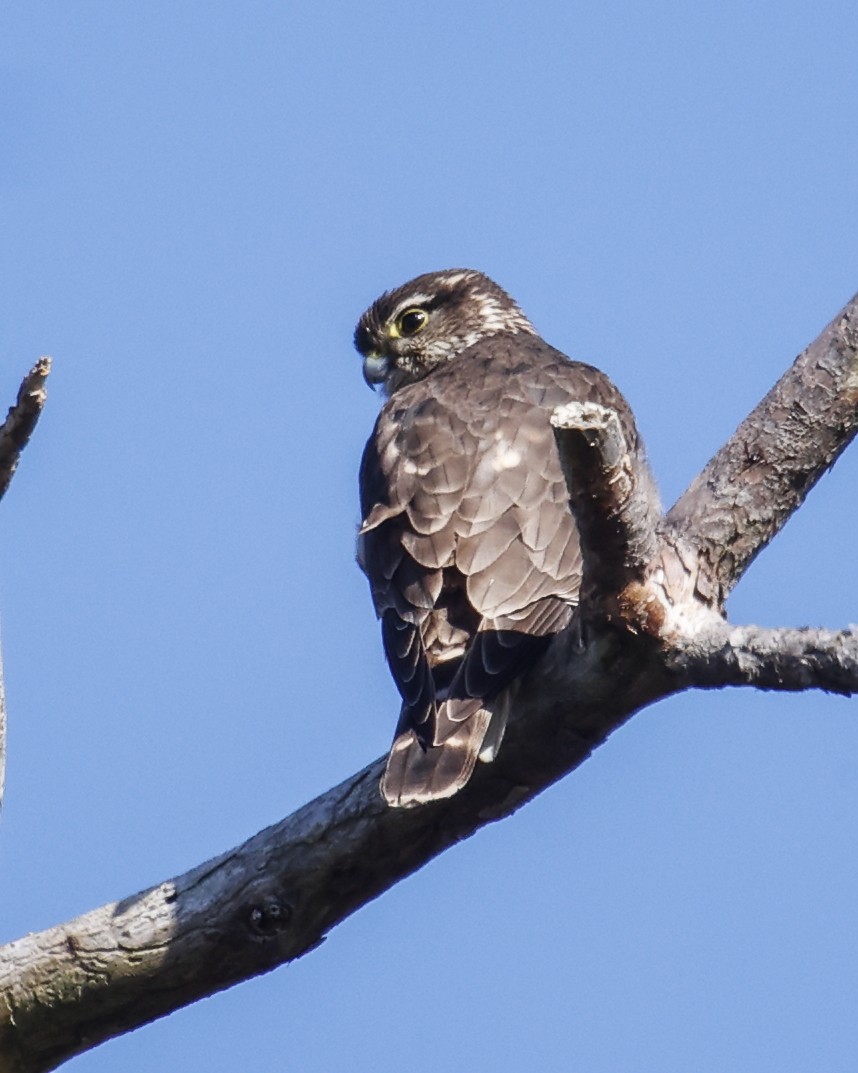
[467, 540]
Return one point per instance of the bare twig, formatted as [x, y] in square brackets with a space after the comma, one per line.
[785, 659]
[21, 420]
[14, 435]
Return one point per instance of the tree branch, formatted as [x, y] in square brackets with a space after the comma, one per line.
[66, 989]
[784, 659]
[274, 898]
[758, 478]
[611, 495]
[21, 420]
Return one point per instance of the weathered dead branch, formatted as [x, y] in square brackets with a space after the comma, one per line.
[612, 496]
[276, 897]
[21, 420]
[765, 470]
[784, 659]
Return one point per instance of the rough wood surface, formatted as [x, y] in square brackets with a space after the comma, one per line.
[276, 897]
[765, 470]
[785, 659]
[612, 495]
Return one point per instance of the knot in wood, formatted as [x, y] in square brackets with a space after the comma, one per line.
[270, 918]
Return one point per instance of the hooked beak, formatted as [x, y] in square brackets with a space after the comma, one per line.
[375, 369]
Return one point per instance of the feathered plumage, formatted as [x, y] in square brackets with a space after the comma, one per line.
[467, 540]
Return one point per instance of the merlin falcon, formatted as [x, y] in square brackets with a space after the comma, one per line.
[467, 539]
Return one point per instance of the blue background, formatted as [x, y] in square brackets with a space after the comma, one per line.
[196, 203]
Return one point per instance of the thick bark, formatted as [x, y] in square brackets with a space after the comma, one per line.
[765, 470]
[658, 631]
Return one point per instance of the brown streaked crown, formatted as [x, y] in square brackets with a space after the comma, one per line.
[408, 331]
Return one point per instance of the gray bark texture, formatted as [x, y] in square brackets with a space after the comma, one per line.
[650, 624]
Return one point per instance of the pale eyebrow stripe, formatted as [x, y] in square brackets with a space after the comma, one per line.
[411, 300]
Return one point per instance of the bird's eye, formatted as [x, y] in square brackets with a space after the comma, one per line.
[411, 321]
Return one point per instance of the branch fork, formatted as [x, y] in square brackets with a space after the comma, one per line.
[651, 624]
[667, 577]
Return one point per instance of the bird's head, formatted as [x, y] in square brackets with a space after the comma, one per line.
[409, 331]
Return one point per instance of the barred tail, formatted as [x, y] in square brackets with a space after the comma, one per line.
[415, 775]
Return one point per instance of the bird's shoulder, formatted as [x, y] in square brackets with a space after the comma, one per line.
[495, 391]
[496, 378]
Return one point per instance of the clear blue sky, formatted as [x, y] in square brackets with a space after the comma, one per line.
[196, 203]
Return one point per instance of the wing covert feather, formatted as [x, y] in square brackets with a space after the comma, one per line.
[469, 544]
